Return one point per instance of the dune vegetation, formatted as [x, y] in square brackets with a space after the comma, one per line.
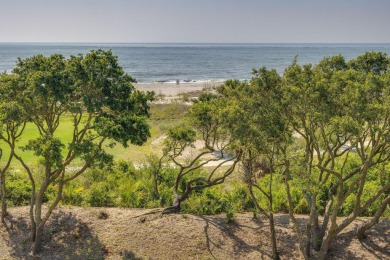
[312, 141]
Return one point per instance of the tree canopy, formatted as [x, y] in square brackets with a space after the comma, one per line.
[98, 96]
[322, 131]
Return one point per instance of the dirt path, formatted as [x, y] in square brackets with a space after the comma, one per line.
[191, 152]
[113, 233]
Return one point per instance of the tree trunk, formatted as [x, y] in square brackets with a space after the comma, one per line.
[323, 253]
[175, 208]
[291, 214]
[157, 194]
[374, 220]
[308, 239]
[33, 231]
[37, 225]
[313, 231]
[316, 235]
[37, 244]
[275, 254]
[316, 240]
[32, 219]
[155, 177]
[3, 198]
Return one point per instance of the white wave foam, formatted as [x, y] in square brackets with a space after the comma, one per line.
[186, 81]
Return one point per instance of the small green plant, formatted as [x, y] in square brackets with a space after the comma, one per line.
[185, 97]
[230, 217]
[255, 214]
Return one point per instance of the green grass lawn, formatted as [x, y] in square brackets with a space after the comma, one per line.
[163, 116]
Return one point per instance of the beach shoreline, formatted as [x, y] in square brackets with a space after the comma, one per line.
[173, 89]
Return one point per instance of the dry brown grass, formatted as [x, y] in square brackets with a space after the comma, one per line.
[77, 233]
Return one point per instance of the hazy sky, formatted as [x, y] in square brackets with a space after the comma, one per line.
[210, 21]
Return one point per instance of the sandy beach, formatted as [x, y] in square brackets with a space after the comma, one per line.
[172, 89]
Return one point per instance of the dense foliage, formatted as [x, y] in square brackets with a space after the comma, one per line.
[102, 103]
[315, 140]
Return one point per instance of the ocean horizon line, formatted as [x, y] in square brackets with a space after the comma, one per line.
[193, 62]
[197, 43]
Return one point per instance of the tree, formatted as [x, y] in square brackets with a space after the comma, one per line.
[97, 96]
[205, 121]
[12, 122]
[376, 63]
[341, 112]
[155, 165]
[259, 130]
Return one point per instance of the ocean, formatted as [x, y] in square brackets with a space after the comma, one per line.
[149, 63]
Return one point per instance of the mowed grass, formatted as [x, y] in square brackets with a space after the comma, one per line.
[64, 133]
[163, 117]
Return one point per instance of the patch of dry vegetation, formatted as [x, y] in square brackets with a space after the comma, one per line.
[113, 233]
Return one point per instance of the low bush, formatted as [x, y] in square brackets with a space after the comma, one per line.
[99, 195]
[18, 191]
[124, 185]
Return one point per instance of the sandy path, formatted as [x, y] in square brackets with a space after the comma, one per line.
[191, 152]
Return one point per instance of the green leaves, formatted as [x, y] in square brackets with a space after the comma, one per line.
[371, 62]
[178, 139]
[100, 82]
[182, 133]
[12, 114]
[92, 89]
[47, 147]
[94, 84]
[253, 111]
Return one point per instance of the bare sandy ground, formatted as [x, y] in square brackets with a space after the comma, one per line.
[171, 89]
[192, 152]
[115, 233]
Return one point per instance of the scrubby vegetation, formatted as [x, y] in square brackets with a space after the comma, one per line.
[122, 185]
[314, 141]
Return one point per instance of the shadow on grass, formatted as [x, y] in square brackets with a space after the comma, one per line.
[65, 237]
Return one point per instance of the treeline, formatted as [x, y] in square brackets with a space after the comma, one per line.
[314, 140]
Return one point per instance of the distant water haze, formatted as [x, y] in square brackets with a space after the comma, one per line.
[185, 63]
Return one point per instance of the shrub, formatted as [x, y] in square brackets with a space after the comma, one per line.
[98, 196]
[18, 191]
[370, 189]
[73, 195]
[302, 207]
[216, 200]
[230, 217]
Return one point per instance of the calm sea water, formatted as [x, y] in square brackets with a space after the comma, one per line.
[193, 62]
